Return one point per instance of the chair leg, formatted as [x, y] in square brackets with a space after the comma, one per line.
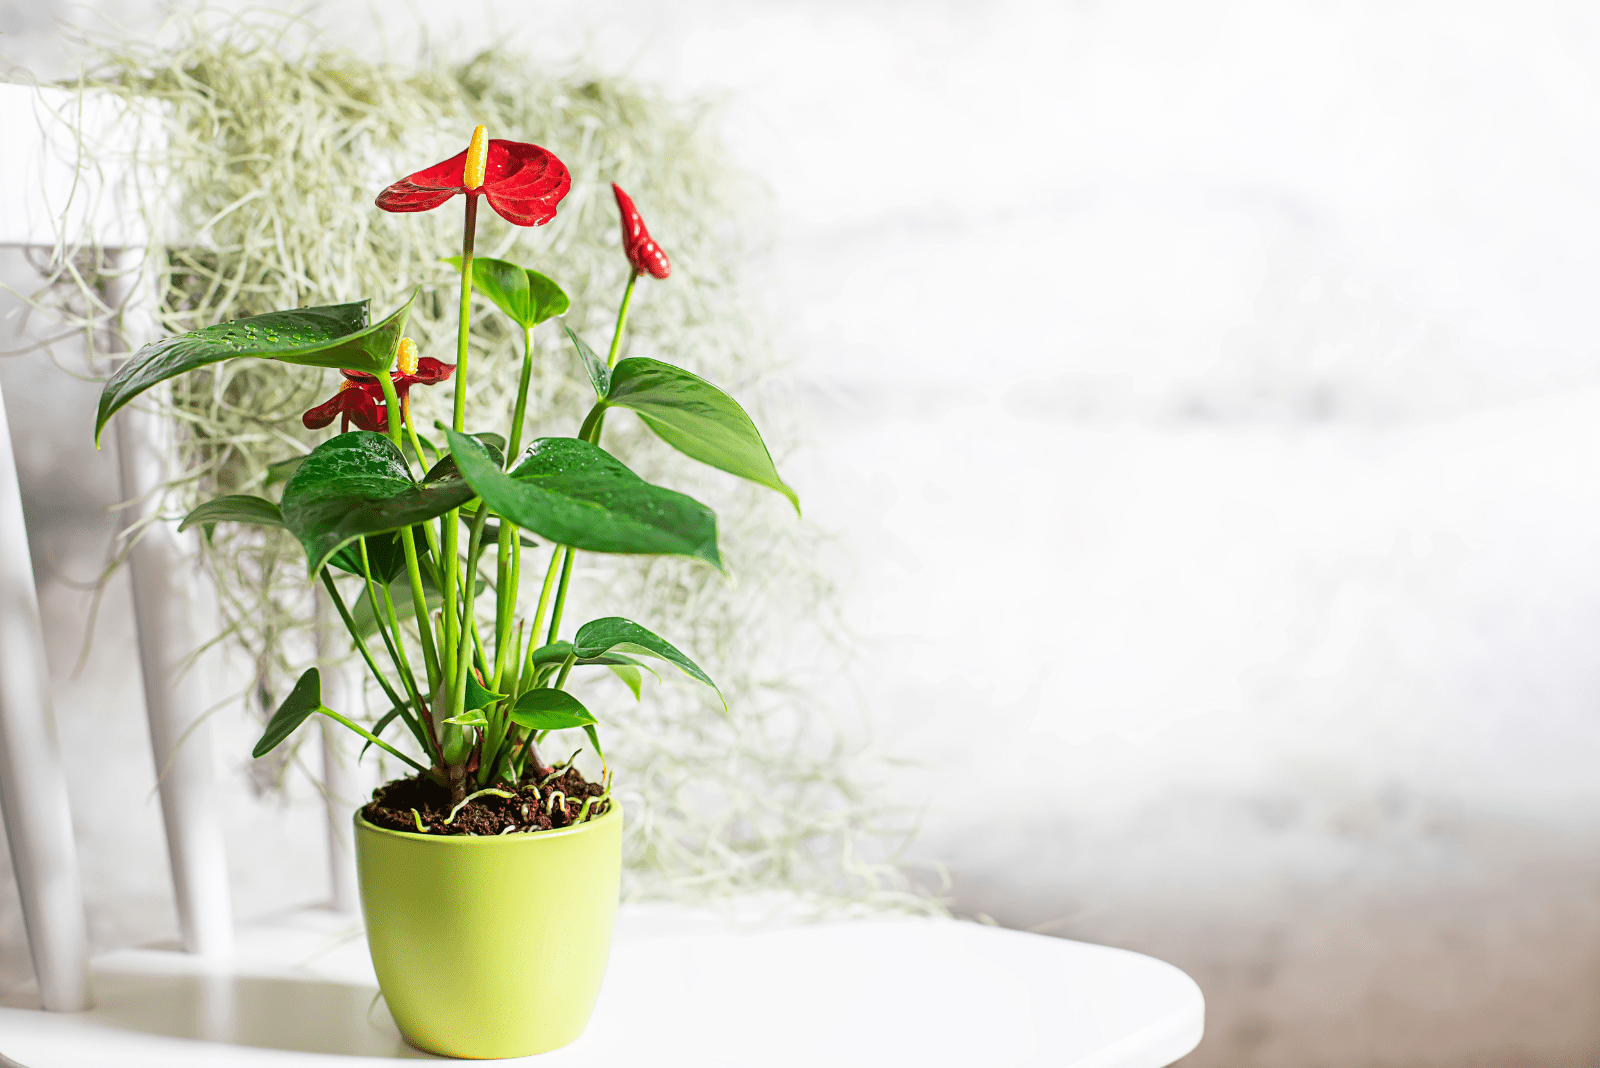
[341, 781]
[169, 611]
[33, 785]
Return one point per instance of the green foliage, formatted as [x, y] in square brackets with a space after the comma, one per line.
[526, 295]
[332, 336]
[601, 636]
[578, 494]
[550, 710]
[599, 373]
[696, 418]
[358, 483]
[303, 702]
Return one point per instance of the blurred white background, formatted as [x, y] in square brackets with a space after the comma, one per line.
[1208, 396]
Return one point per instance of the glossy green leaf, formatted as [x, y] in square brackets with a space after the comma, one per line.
[527, 296]
[599, 373]
[358, 483]
[614, 633]
[631, 677]
[472, 717]
[594, 740]
[239, 508]
[336, 335]
[302, 703]
[280, 471]
[577, 494]
[696, 418]
[550, 710]
[556, 652]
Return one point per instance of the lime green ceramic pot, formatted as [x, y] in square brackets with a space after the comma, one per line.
[491, 947]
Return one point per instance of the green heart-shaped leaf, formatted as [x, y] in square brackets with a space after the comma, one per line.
[577, 494]
[601, 636]
[599, 372]
[336, 335]
[238, 508]
[527, 296]
[550, 710]
[358, 483]
[301, 704]
[696, 418]
[386, 555]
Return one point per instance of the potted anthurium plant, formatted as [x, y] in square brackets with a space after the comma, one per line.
[489, 878]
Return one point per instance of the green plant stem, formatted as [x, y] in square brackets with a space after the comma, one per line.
[430, 655]
[622, 320]
[566, 667]
[393, 643]
[590, 432]
[519, 413]
[372, 666]
[464, 315]
[458, 694]
[380, 743]
[561, 596]
[529, 676]
[450, 563]
[513, 586]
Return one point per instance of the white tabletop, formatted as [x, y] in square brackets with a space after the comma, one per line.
[683, 989]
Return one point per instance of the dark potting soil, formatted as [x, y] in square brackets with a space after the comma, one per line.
[531, 808]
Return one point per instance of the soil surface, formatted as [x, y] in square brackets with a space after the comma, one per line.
[401, 804]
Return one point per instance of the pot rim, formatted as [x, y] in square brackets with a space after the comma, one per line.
[474, 840]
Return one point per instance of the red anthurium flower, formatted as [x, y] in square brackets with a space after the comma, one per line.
[360, 398]
[524, 183]
[644, 255]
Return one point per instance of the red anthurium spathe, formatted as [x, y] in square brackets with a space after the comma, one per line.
[360, 398]
[351, 404]
[524, 183]
[644, 255]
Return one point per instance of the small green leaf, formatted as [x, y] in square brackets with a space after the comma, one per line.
[594, 740]
[631, 677]
[696, 418]
[527, 296]
[386, 555]
[377, 730]
[280, 471]
[472, 717]
[577, 494]
[599, 373]
[556, 652]
[304, 701]
[615, 633]
[358, 483]
[335, 335]
[238, 508]
[550, 710]
[478, 696]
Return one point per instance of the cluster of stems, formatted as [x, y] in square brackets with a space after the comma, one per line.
[468, 755]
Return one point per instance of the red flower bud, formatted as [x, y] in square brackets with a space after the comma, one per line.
[644, 255]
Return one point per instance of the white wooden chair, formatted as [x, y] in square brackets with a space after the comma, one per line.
[683, 987]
